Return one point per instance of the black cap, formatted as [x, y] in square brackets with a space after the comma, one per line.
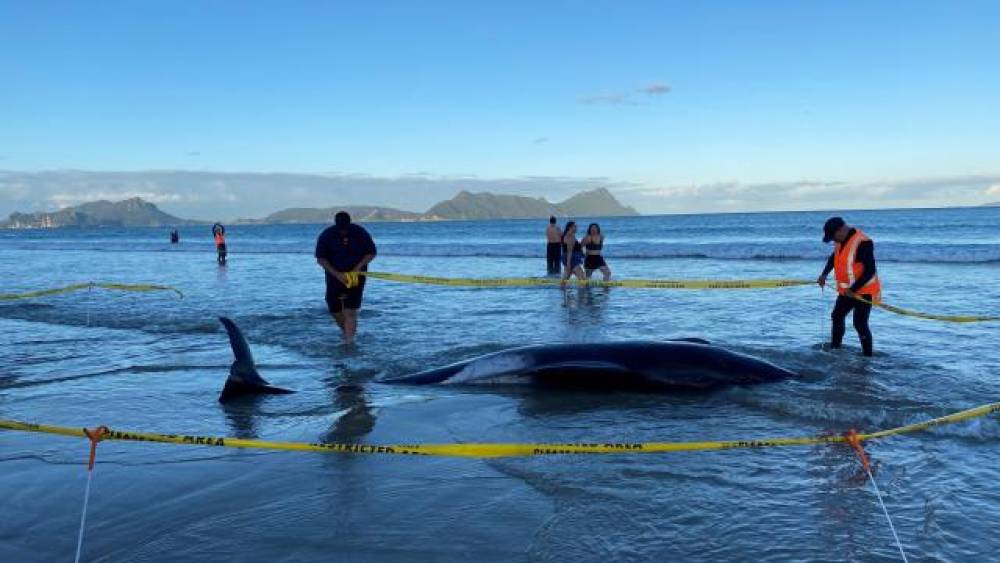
[830, 228]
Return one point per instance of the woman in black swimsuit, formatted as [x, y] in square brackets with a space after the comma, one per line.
[594, 243]
[572, 254]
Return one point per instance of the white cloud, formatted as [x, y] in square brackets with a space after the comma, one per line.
[217, 195]
[804, 195]
[14, 190]
[629, 98]
[656, 89]
[610, 99]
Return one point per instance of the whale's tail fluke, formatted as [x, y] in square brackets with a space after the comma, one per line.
[243, 377]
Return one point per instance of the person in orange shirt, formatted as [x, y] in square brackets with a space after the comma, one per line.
[220, 243]
[858, 284]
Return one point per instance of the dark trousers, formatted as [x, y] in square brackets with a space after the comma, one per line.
[861, 310]
[553, 252]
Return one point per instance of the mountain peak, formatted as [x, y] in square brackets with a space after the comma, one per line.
[131, 212]
[465, 206]
[596, 203]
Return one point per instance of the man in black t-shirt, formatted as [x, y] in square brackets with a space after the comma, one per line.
[342, 249]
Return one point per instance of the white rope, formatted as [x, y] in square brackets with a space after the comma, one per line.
[878, 495]
[83, 517]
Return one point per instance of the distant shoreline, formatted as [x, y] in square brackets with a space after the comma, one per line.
[136, 212]
[258, 222]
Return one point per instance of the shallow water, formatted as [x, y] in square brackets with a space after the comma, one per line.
[155, 363]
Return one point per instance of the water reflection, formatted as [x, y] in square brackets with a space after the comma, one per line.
[357, 418]
[241, 416]
[585, 297]
[542, 401]
[585, 310]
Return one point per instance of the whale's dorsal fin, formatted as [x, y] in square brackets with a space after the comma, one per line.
[243, 367]
[243, 377]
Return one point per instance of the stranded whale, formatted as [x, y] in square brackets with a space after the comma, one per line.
[243, 377]
[688, 364]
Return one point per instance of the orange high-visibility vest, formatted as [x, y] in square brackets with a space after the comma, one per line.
[847, 270]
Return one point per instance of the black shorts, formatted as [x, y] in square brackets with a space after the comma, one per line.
[221, 249]
[339, 297]
[553, 252]
[593, 262]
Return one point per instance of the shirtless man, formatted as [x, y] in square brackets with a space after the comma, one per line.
[553, 250]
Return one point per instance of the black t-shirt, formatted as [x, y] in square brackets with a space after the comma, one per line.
[344, 251]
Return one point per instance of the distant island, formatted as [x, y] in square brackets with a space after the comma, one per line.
[467, 206]
[470, 206]
[360, 213]
[136, 212]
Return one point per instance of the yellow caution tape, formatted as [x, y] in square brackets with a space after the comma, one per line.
[918, 314]
[633, 283]
[948, 419]
[91, 285]
[352, 279]
[946, 318]
[484, 450]
[645, 284]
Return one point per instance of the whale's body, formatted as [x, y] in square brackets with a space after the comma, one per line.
[643, 365]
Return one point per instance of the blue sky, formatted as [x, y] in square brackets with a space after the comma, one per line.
[657, 99]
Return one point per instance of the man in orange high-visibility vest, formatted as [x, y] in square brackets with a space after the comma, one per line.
[858, 285]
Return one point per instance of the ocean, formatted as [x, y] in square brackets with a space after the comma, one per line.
[154, 362]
